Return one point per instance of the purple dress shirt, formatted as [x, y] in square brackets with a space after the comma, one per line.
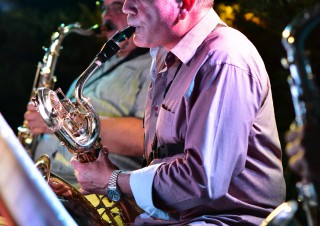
[216, 100]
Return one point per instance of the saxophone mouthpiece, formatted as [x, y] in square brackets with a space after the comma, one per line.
[123, 36]
[128, 32]
[118, 41]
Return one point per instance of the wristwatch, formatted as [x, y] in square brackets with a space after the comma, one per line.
[113, 192]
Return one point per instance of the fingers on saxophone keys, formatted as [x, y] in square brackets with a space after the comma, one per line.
[32, 107]
[91, 158]
[86, 157]
[82, 158]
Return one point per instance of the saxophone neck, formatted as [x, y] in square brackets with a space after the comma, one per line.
[109, 49]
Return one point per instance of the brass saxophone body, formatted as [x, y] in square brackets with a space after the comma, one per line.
[306, 99]
[77, 125]
[45, 76]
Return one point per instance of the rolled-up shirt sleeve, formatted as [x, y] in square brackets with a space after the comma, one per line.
[143, 178]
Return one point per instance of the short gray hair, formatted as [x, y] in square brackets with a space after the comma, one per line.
[206, 3]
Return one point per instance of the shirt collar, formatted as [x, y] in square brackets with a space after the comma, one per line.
[188, 45]
[158, 56]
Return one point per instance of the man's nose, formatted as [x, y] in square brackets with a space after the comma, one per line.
[127, 7]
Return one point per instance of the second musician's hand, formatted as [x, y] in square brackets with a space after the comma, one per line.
[35, 123]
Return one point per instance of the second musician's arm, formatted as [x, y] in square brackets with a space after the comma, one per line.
[122, 135]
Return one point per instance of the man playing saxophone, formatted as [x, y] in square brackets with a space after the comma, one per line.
[211, 139]
[118, 93]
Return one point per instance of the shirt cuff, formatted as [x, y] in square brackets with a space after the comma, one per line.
[141, 182]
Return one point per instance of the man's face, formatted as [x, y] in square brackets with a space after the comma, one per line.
[155, 21]
[113, 17]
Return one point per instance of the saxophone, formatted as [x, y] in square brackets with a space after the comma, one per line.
[306, 99]
[77, 126]
[45, 75]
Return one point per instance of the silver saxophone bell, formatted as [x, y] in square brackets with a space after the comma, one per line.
[77, 124]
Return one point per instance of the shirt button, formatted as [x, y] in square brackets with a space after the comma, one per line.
[156, 108]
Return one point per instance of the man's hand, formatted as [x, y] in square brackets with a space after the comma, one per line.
[94, 176]
[296, 151]
[60, 189]
[35, 122]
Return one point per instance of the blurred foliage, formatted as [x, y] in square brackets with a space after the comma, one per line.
[29, 26]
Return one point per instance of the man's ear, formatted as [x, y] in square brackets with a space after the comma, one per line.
[187, 4]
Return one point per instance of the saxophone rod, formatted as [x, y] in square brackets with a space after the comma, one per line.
[118, 41]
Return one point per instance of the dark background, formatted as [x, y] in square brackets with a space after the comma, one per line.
[26, 26]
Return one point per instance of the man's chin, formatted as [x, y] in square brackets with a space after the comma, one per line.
[139, 42]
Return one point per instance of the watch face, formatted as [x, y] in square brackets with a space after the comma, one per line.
[113, 194]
